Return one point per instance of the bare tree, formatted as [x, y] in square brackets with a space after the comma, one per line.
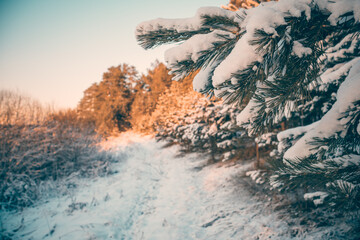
[17, 108]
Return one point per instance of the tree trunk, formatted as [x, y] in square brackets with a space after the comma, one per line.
[283, 126]
[213, 148]
[257, 156]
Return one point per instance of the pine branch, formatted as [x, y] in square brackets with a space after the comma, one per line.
[242, 85]
[342, 182]
[166, 36]
[344, 144]
[220, 23]
[217, 53]
[298, 173]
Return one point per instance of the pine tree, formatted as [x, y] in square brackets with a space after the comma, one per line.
[148, 91]
[281, 60]
[199, 124]
[234, 5]
[108, 103]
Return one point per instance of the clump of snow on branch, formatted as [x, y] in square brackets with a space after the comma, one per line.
[317, 197]
[183, 24]
[329, 125]
[339, 8]
[299, 50]
[256, 176]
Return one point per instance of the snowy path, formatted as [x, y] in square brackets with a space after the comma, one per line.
[154, 195]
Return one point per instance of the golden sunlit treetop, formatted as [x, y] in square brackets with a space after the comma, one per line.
[234, 5]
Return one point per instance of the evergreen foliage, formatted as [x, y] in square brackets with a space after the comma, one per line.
[200, 124]
[234, 5]
[287, 64]
[146, 97]
[108, 103]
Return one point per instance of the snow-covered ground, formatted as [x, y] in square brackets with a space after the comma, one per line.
[153, 195]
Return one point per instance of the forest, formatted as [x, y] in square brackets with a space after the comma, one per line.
[273, 84]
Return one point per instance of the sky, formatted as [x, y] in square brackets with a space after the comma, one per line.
[53, 50]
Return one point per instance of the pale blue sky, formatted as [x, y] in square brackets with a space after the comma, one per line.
[53, 50]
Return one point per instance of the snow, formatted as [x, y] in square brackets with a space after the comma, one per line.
[344, 186]
[240, 57]
[299, 50]
[317, 197]
[245, 114]
[227, 125]
[153, 195]
[189, 132]
[333, 74]
[295, 7]
[243, 53]
[293, 133]
[255, 175]
[265, 17]
[182, 25]
[225, 144]
[192, 48]
[213, 129]
[269, 15]
[329, 125]
[347, 160]
[341, 49]
[227, 156]
[201, 80]
[338, 8]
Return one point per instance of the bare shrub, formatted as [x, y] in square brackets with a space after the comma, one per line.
[32, 152]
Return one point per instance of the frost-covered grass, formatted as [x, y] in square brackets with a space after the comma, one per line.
[34, 158]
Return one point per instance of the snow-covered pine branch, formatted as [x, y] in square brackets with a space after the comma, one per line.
[293, 60]
[273, 57]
